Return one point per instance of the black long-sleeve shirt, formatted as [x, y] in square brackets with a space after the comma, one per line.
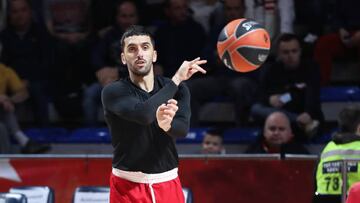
[130, 112]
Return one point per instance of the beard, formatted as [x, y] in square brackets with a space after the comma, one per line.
[142, 72]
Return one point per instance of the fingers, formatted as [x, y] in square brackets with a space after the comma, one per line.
[195, 64]
[172, 101]
[196, 59]
[198, 68]
[168, 111]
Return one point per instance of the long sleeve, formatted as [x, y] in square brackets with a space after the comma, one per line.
[139, 143]
[181, 122]
[119, 100]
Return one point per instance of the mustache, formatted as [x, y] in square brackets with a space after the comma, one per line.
[140, 61]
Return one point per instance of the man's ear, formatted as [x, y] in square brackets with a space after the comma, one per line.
[123, 58]
[154, 56]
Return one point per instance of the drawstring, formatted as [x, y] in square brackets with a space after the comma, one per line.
[152, 193]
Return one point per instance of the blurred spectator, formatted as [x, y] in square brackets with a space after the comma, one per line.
[106, 56]
[69, 22]
[221, 81]
[179, 38]
[202, 11]
[277, 137]
[276, 16]
[3, 8]
[213, 142]
[12, 92]
[27, 48]
[354, 193]
[315, 17]
[339, 44]
[5, 146]
[290, 84]
[102, 13]
[344, 144]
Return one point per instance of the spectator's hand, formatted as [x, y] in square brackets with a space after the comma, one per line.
[304, 119]
[6, 103]
[187, 69]
[165, 114]
[275, 101]
[106, 75]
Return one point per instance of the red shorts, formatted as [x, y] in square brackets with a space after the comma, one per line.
[126, 191]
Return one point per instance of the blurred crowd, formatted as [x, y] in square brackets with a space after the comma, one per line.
[61, 53]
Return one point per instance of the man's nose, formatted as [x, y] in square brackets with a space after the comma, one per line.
[140, 53]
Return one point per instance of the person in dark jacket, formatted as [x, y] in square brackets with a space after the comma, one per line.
[277, 137]
[290, 84]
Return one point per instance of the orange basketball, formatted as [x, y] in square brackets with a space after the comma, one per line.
[243, 45]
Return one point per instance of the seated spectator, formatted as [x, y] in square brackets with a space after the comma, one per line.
[5, 146]
[345, 144]
[354, 193]
[290, 84]
[276, 16]
[27, 49]
[70, 25]
[177, 39]
[314, 16]
[213, 142]
[12, 92]
[220, 80]
[106, 58]
[277, 137]
[3, 5]
[202, 12]
[344, 41]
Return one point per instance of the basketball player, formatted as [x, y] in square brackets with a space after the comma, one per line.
[145, 113]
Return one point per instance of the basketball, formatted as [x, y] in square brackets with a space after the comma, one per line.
[243, 45]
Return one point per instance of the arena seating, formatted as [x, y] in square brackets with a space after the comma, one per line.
[94, 194]
[333, 100]
[188, 195]
[102, 135]
[39, 194]
[12, 198]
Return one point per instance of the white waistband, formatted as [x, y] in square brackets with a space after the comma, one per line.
[139, 177]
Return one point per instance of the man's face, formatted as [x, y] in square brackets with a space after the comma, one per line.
[138, 54]
[126, 15]
[289, 53]
[277, 130]
[20, 14]
[234, 9]
[212, 144]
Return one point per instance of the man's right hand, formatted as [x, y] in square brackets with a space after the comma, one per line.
[106, 75]
[187, 69]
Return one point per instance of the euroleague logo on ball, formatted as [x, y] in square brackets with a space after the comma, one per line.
[243, 45]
